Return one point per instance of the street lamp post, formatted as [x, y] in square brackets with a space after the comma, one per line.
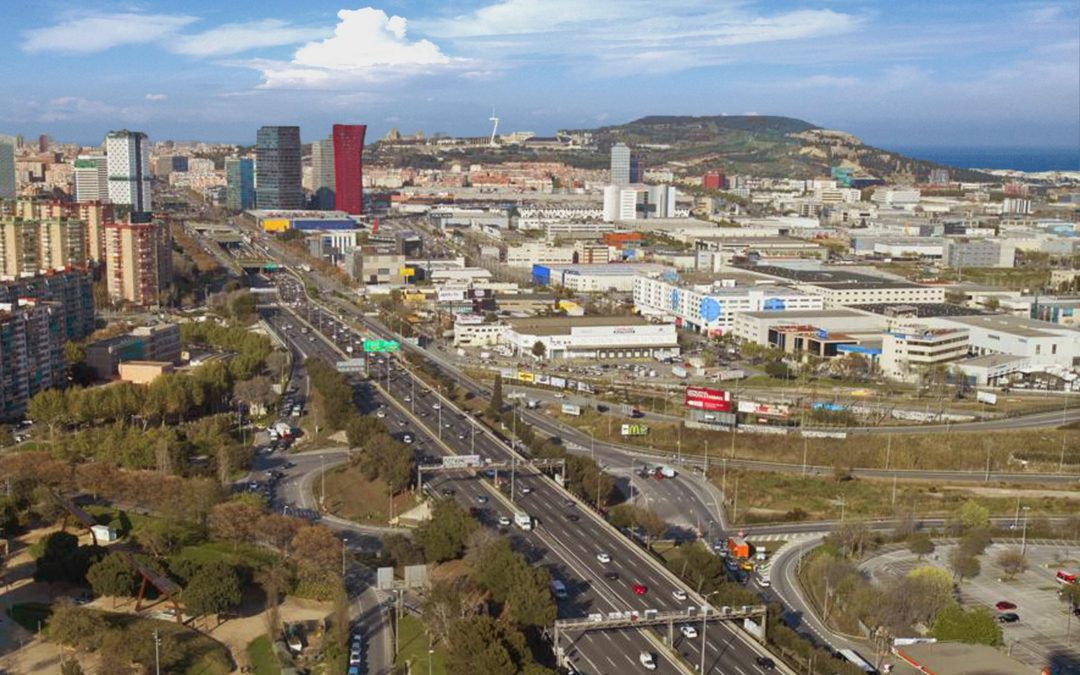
[704, 629]
[344, 541]
[1023, 538]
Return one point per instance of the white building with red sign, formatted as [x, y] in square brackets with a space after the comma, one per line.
[592, 337]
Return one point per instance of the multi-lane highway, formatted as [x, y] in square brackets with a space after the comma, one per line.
[568, 539]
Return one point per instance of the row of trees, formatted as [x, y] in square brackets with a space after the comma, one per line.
[334, 392]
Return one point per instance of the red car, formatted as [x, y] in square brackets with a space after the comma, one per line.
[640, 589]
[1004, 606]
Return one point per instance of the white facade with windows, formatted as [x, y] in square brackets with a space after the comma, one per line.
[1039, 342]
[91, 178]
[128, 161]
[537, 253]
[712, 309]
[905, 355]
[843, 295]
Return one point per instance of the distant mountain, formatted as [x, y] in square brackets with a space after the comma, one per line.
[758, 145]
[761, 145]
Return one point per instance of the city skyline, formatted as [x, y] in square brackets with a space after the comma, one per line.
[967, 74]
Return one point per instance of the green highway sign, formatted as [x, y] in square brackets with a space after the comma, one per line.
[381, 346]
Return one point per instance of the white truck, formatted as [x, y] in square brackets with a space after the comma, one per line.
[523, 520]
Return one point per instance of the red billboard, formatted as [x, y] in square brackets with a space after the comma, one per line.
[703, 398]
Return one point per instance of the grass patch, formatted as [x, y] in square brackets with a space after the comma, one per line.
[261, 656]
[414, 648]
[765, 496]
[30, 615]
[233, 554]
[121, 520]
[956, 451]
[351, 496]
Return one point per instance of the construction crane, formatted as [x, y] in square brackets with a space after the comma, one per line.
[494, 128]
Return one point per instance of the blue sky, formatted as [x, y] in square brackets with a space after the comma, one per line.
[904, 73]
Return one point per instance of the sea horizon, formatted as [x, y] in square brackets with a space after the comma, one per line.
[1028, 159]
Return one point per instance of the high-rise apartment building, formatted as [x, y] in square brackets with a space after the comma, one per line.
[31, 353]
[19, 247]
[349, 167]
[128, 161]
[91, 178]
[138, 261]
[322, 174]
[93, 216]
[620, 164]
[72, 290]
[278, 172]
[7, 170]
[38, 315]
[31, 246]
[239, 184]
[163, 166]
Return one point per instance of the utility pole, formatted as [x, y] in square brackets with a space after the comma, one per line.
[157, 653]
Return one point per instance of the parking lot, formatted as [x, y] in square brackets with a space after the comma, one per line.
[1044, 621]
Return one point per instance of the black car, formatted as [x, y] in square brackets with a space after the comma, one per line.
[572, 518]
[1008, 617]
[765, 663]
[611, 576]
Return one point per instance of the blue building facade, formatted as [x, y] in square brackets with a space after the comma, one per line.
[239, 184]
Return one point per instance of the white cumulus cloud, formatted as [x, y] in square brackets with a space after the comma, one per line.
[367, 45]
[89, 33]
[156, 97]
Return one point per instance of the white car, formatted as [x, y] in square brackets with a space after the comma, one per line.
[354, 658]
[380, 414]
[689, 632]
[647, 660]
[526, 490]
[603, 557]
[407, 439]
[504, 521]
[436, 406]
[679, 594]
[560, 395]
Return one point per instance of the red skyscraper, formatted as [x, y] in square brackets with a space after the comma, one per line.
[349, 168]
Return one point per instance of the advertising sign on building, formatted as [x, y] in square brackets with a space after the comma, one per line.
[635, 430]
[755, 408]
[525, 376]
[571, 409]
[704, 398]
[469, 319]
[543, 379]
[558, 382]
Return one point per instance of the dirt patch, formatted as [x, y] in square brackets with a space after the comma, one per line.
[1017, 492]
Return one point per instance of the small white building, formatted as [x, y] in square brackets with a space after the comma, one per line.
[103, 534]
[1040, 343]
[596, 337]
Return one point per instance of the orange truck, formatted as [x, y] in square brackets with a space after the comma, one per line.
[738, 548]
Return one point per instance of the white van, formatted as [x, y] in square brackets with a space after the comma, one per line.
[647, 660]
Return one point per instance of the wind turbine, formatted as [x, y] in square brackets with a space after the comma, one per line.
[494, 128]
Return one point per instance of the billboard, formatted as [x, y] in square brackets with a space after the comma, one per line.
[469, 319]
[635, 430]
[525, 376]
[542, 379]
[460, 461]
[571, 409]
[989, 398]
[451, 295]
[755, 408]
[558, 382]
[704, 398]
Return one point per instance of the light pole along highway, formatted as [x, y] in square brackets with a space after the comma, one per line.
[603, 533]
